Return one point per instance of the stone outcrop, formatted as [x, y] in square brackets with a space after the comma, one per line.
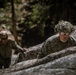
[33, 52]
[62, 66]
[59, 63]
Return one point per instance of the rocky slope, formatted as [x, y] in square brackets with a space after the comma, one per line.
[58, 63]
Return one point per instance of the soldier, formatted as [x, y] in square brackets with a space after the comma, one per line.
[59, 41]
[6, 46]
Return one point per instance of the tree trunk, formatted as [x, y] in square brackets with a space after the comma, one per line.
[13, 21]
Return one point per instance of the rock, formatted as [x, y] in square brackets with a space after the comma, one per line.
[62, 66]
[32, 52]
[46, 59]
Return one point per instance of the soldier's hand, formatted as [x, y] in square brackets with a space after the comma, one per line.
[25, 49]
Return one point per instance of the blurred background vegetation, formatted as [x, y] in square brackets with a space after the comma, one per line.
[33, 21]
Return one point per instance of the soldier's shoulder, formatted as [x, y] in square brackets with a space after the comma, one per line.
[53, 38]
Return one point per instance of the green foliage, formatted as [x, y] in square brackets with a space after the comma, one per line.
[38, 13]
[6, 15]
[3, 3]
[38, 16]
[17, 1]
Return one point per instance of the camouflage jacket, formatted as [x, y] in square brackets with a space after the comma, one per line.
[53, 44]
[6, 50]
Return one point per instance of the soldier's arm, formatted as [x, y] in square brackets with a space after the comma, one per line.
[44, 50]
[47, 46]
[16, 47]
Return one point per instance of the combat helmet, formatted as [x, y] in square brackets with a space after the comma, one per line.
[64, 26]
[3, 34]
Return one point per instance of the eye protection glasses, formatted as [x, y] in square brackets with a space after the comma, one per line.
[64, 33]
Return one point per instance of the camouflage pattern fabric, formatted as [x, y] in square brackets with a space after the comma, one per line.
[53, 44]
[6, 50]
[64, 26]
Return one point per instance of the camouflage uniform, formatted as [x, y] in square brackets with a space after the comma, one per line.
[6, 52]
[54, 44]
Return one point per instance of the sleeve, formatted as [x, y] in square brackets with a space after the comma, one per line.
[16, 47]
[47, 46]
[45, 50]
